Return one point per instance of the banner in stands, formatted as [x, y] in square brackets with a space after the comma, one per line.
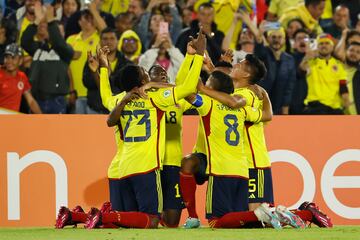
[48, 161]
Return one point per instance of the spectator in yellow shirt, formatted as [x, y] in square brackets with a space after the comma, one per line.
[309, 13]
[85, 41]
[326, 80]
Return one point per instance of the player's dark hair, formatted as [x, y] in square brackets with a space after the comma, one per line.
[223, 64]
[301, 30]
[129, 77]
[222, 82]
[258, 69]
[313, 2]
[107, 30]
[206, 5]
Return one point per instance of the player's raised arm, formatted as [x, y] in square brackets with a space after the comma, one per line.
[189, 85]
[105, 88]
[114, 116]
[185, 66]
[232, 101]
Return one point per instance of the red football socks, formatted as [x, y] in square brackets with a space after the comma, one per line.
[188, 189]
[305, 215]
[78, 217]
[234, 220]
[127, 219]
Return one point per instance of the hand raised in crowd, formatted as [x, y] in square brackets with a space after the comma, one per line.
[199, 43]
[102, 54]
[227, 56]
[50, 13]
[39, 13]
[92, 6]
[162, 39]
[93, 62]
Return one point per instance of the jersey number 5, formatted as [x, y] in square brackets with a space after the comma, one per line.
[231, 122]
[145, 114]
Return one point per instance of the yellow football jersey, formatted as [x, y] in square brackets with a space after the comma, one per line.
[254, 140]
[142, 129]
[224, 136]
[173, 146]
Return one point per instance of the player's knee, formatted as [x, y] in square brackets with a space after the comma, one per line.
[189, 164]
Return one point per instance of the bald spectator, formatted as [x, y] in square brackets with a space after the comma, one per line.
[309, 13]
[341, 21]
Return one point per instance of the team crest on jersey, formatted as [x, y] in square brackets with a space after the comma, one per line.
[167, 93]
[335, 68]
[20, 85]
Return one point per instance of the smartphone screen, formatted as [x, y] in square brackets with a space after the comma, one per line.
[164, 28]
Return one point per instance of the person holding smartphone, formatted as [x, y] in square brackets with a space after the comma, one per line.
[163, 53]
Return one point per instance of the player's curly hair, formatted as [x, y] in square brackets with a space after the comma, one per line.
[223, 82]
[129, 77]
[258, 69]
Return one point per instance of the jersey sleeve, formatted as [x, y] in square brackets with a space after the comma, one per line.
[252, 114]
[163, 97]
[184, 69]
[205, 106]
[105, 89]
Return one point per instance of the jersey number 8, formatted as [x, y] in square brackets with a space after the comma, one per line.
[231, 122]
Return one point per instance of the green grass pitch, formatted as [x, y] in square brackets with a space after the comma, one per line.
[338, 232]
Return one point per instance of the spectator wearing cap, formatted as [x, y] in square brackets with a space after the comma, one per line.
[352, 68]
[82, 43]
[130, 45]
[309, 13]
[326, 80]
[301, 46]
[13, 83]
[91, 78]
[281, 76]
[340, 22]
[48, 75]
[205, 19]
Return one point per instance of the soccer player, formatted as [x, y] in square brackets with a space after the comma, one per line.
[141, 127]
[222, 126]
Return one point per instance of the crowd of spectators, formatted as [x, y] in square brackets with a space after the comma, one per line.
[311, 48]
